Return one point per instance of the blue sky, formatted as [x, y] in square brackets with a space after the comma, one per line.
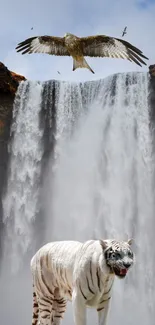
[83, 18]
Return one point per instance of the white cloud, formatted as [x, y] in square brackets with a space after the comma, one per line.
[82, 18]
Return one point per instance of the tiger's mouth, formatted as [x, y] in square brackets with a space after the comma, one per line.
[121, 273]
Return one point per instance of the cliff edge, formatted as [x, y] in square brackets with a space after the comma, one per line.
[151, 96]
[152, 70]
[9, 82]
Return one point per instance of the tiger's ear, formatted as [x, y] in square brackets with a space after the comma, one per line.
[130, 241]
[104, 244]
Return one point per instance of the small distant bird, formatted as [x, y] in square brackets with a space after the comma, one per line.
[78, 47]
[31, 28]
[124, 31]
[58, 72]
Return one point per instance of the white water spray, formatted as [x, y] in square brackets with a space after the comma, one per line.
[20, 204]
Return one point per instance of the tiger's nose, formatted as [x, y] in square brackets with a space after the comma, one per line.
[127, 265]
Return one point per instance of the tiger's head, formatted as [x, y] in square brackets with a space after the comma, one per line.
[118, 255]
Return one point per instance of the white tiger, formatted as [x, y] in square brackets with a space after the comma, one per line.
[81, 272]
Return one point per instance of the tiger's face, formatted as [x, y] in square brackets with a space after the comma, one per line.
[119, 256]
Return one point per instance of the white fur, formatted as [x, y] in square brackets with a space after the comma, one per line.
[75, 271]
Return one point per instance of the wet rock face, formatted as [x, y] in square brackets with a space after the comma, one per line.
[152, 70]
[151, 98]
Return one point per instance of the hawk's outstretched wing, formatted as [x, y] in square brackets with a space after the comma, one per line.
[106, 46]
[43, 44]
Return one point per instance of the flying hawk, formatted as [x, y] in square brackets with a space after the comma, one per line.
[78, 47]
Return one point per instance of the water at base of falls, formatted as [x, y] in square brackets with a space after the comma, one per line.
[97, 181]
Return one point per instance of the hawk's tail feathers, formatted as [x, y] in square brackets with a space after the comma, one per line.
[81, 63]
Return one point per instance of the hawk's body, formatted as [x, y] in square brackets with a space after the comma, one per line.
[73, 45]
[78, 47]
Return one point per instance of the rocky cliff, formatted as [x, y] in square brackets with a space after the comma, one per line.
[9, 82]
[152, 95]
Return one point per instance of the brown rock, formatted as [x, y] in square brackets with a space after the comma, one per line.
[152, 70]
[9, 82]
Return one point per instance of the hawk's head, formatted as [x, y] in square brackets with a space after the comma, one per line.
[118, 255]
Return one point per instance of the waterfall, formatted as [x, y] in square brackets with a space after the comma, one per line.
[20, 203]
[97, 178]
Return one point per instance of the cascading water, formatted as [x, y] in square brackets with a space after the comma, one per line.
[98, 180]
[20, 204]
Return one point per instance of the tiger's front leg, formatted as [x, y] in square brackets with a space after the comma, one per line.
[79, 308]
[103, 311]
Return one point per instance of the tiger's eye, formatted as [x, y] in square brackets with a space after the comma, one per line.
[130, 254]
